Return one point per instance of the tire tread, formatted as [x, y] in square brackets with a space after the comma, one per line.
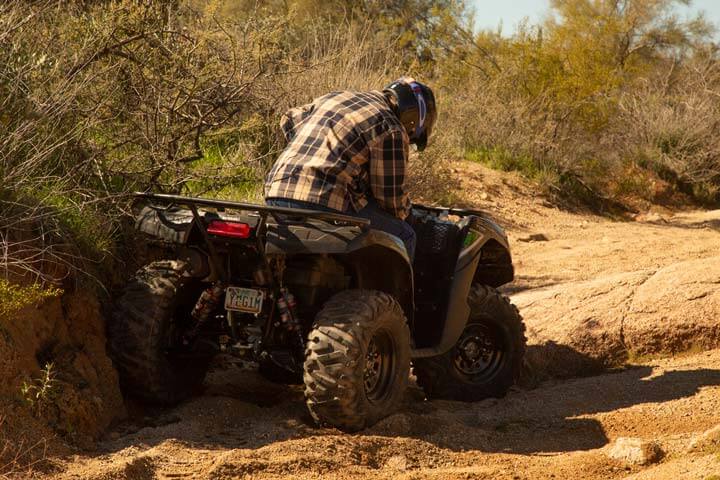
[435, 375]
[334, 357]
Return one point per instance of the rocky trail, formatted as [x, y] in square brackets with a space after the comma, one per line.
[624, 330]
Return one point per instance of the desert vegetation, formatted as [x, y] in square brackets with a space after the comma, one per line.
[605, 102]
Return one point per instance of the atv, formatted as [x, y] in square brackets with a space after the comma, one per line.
[319, 299]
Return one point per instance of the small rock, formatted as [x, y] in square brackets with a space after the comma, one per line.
[635, 451]
[706, 441]
[651, 217]
[484, 196]
[535, 237]
[397, 462]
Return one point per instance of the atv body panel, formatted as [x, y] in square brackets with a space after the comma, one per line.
[432, 290]
[451, 257]
[362, 250]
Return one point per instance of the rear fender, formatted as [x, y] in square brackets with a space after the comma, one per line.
[172, 226]
[376, 260]
[495, 267]
[380, 262]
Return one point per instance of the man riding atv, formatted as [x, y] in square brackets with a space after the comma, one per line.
[348, 152]
[327, 285]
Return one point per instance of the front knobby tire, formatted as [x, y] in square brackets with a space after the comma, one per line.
[487, 359]
[357, 360]
[147, 321]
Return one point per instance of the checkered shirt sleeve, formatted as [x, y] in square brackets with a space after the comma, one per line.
[388, 164]
[292, 118]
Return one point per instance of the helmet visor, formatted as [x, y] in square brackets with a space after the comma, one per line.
[422, 108]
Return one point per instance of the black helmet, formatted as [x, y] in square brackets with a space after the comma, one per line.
[415, 107]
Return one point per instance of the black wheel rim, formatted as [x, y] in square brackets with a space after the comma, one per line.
[379, 366]
[480, 352]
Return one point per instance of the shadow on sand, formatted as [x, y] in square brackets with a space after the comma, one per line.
[239, 409]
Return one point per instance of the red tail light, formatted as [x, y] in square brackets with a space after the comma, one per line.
[229, 229]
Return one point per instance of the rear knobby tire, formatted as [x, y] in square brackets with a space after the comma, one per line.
[357, 360]
[146, 321]
[469, 373]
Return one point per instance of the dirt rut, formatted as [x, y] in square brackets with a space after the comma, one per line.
[559, 430]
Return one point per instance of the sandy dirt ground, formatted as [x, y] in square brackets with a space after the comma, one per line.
[245, 427]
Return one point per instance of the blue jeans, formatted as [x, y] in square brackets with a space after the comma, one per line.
[379, 219]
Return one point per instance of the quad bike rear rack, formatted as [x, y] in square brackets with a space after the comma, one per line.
[263, 210]
[279, 214]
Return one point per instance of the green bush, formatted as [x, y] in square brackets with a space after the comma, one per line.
[14, 297]
[501, 159]
[575, 101]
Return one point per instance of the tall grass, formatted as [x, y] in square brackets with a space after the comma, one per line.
[102, 100]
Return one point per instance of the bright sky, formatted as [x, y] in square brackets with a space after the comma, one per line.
[490, 13]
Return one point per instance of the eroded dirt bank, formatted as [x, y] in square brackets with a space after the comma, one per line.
[595, 293]
[58, 387]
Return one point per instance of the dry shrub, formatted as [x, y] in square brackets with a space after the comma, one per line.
[48, 201]
[590, 97]
[18, 456]
[100, 100]
[345, 58]
[671, 124]
[494, 121]
[349, 58]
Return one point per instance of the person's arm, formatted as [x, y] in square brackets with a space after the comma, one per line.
[292, 118]
[388, 165]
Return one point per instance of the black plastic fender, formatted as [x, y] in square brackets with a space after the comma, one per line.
[381, 262]
[171, 226]
[378, 259]
[491, 244]
[495, 267]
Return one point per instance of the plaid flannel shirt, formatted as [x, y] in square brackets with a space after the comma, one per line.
[343, 148]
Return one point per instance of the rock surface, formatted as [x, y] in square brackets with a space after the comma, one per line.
[582, 327]
[635, 451]
[707, 441]
[397, 462]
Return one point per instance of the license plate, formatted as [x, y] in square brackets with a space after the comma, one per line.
[244, 299]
